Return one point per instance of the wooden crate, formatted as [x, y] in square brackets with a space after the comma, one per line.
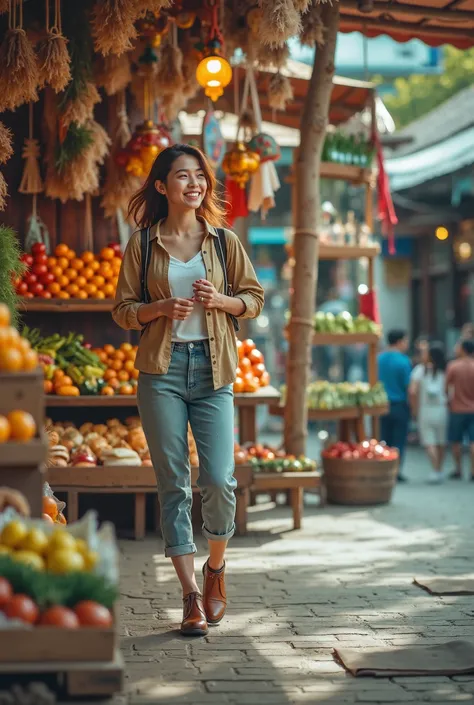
[32, 454]
[292, 482]
[23, 390]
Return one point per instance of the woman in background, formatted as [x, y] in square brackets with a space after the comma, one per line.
[430, 405]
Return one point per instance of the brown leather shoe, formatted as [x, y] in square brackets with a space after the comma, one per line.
[194, 619]
[214, 595]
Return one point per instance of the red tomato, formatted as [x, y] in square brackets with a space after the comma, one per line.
[27, 259]
[6, 592]
[39, 269]
[37, 289]
[30, 279]
[22, 288]
[41, 259]
[38, 248]
[47, 278]
[28, 295]
[116, 248]
[23, 608]
[46, 295]
[91, 614]
[58, 616]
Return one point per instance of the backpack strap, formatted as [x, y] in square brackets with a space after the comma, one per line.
[221, 249]
[145, 250]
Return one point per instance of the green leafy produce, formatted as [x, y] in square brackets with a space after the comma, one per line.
[344, 323]
[10, 268]
[343, 395]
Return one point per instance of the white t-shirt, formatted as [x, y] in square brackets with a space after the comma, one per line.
[432, 390]
[181, 276]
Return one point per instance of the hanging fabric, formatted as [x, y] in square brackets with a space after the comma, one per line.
[235, 196]
[265, 181]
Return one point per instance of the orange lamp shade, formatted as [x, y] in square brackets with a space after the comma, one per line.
[214, 74]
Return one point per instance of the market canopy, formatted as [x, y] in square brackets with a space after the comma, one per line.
[434, 22]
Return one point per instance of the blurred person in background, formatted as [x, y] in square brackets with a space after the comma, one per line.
[429, 403]
[460, 391]
[394, 371]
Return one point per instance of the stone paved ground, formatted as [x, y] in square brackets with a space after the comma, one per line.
[345, 578]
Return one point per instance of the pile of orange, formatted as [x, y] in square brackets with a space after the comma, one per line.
[18, 426]
[120, 376]
[61, 384]
[251, 372]
[16, 354]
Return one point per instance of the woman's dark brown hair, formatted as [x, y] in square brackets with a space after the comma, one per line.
[148, 206]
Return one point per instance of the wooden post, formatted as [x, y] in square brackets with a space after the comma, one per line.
[306, 242]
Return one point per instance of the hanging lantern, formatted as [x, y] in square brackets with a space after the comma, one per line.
[266, 147]
[144, 146]
[240, 163]
[214, 72]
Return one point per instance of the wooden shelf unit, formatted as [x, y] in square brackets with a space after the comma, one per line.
[351, 173]
[66, 305]
[345, 338]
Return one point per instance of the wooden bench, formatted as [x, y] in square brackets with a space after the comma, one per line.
[138, 481]
[292, 482]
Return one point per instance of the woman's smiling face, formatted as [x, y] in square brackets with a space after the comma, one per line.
[186, 183]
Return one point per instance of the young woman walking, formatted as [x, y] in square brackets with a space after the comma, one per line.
[187, 359]
[430, 405]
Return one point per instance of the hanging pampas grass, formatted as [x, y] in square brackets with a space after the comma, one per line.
[54, 61]
[3, 192]
[81, 108]
[169, 74]
[313, 28]
[272, 57]
[280, 92]
[280, 21]
[18, 67]
[6, 143]
[302, 5]
[113, 73]
[113, 26]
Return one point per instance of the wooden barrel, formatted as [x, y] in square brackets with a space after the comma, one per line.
[359, 482]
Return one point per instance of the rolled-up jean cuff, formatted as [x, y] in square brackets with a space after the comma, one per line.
[182, 550]
[217, 537]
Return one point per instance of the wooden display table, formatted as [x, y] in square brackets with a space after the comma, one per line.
[138, 481]
[245, 403]
[292, 482]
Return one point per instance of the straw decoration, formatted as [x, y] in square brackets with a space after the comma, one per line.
[280, 22]
[82, 108]
[169, 74]
[4, 5]
[190, 64]
[3, 192]
[113, 26]
[31, 180]
[18, 67]
[53, 57]
[6, 143]
[113, 73]
[280, 91]
[313, 28]
[268, 57]
[302, 5]
[155, 6]
[171, 104]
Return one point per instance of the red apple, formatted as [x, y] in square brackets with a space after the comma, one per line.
[38, 248]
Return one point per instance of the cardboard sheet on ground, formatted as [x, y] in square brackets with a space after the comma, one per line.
[458, 585]
[450, 659]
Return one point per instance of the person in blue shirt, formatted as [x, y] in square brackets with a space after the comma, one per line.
[394, 370]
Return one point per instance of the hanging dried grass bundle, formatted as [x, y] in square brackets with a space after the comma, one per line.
[280, 21]
[302, 5]
[113, 26]
[31, 180]
[169, 74]
[171, 104]
[280, 91]
[155, 6]
[81, 108]
[234, 25]
[272, 57]
[6, 143]
[4, 5]
[54, 61]
[113, 73]
[18, 67]
[190, 64]
[313, 32]
[3, 192]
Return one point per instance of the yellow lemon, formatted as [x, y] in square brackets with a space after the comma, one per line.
[13, 534]
[81, 546]
[35, 540]
[29, 558]
[61, 540]
[91, 559]
[65, 561]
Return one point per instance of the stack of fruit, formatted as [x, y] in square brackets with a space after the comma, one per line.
[69, 276]
[323, 395]
[264, 458]
[18, 426]
[367, 450]
[90, 445]
[344, 323]
[251, 373]
[120, 375]
[16, 354]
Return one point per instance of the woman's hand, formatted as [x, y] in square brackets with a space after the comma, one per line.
[176, 309]
[206, 294]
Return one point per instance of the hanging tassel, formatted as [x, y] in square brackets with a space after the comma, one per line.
[3, 192]
[169, 75]
[272, 57]
[113, 26]
[31, 180]
[280, 91]
[18, 67]
[6, 143]
[280, 22]
[53, 57]
[313, 28]
[113, 73]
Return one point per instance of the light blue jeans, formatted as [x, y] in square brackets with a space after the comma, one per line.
[166, 404]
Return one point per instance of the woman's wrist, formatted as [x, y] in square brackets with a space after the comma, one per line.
[148, 312]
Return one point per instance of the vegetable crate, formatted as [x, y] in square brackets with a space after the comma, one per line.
[359, 482]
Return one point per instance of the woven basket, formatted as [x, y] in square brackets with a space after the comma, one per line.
[359, 482]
